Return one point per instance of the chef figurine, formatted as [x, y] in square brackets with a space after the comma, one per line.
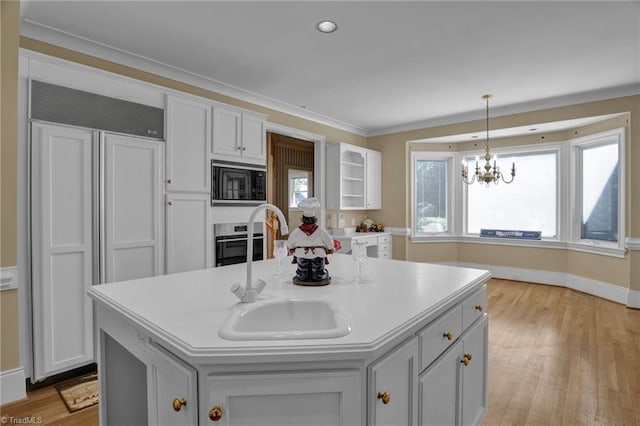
[310, 246]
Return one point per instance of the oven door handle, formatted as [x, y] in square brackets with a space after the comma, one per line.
[230, 240]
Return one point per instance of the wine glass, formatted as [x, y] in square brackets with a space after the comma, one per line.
[279, 252]
[359, 252]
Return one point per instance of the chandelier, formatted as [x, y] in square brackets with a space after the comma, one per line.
[490, 173]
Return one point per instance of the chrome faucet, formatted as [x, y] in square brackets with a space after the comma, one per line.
[250, 292]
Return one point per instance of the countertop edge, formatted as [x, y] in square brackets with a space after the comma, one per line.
[306, 350]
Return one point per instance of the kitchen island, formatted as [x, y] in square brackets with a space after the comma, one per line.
[415, 353]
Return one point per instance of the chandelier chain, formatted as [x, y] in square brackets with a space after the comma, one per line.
[491, 173]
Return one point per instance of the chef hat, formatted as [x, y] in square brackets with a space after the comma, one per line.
[309, 206]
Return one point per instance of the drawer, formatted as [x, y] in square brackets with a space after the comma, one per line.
[439, 335]
[384, 247]
[473, 307]
[384, 239]
[369, 241]
[384, 254]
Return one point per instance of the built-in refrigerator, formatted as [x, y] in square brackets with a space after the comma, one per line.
[96, 205]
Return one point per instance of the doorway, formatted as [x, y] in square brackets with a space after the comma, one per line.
[291, 175]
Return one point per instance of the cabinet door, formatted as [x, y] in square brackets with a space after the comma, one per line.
[188, 145]
[294, 399]
[439, 386]
[62, 240]
[374, 180]
[393, 387]
[172, 390]
[254, 148]
[474, 374]
[189, 236]
[227, 133]
[133, 182]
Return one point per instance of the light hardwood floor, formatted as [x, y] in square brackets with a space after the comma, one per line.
[556, 357]
[560, 357]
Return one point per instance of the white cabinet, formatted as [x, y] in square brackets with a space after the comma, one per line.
[373, 180]
[474, 373]
[134, 217]
[393, 387]
[172, 389]
[189, 235]
[378, 245]
[188, 145]
[63, 241]
[385, 246]
[435, 376]
[227, 131]
[254, 147]
[291, 398]
[439, 390]
[462, 401]
[238, 136]
[188, 177]
[96, 217]
[348, 175]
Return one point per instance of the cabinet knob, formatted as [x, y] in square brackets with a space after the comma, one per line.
[170, 203]
[178, 403]
[466, 359]
[215, 413]
[448, 335]
[169, 181]
[243, 148]
[385, 397]
[478, 308]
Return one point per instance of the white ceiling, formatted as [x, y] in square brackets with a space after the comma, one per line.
[390, 66]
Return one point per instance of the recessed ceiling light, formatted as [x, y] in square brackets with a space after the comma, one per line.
[327, 26]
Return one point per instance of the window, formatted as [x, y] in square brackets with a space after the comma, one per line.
[573, 192]
[529, 203]
[299, 186]
[598, 186]
[431, 193]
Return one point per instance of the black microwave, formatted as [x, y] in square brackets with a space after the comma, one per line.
[237, 184]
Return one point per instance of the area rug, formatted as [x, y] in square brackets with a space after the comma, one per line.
[79, 393]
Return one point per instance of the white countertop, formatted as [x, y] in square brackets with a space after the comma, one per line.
[354, 234]
[185, 311]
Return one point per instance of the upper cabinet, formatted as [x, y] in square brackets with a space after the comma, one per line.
[373, 181]
[354, 178]
[238, 135]
[188, 142]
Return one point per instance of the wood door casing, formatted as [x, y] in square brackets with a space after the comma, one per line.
[284, 153]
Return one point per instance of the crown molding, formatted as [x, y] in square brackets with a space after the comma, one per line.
[555, 102]
[69, 41]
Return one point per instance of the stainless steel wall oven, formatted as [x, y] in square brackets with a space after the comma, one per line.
[231, 243]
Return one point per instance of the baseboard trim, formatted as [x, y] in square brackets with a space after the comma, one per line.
[12, 385]
[633, 301]
[615, 293]
[8, 278]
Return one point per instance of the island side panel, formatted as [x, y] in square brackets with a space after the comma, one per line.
[122, 370]
[123, 396]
